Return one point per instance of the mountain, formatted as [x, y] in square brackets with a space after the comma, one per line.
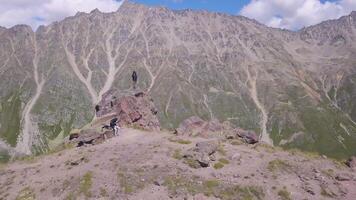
[296, 89]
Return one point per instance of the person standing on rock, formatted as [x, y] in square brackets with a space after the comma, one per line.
[134, 79]
[114, 126]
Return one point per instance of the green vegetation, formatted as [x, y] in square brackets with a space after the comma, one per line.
[86, 183]
[10, 117]
[212, 187]
[71, 196]
[221, 150]
[326, 192]
[218, 165]
[192, 163]
[180, 141]
[278, 165]
[284, 194]
[4, 157]
[177, 154]
[130, 183]
[224, 161]
[26, 194]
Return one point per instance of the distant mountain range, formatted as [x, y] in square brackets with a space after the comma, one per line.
[297, 89]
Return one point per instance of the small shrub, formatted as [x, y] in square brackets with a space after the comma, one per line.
[177, 154]
[284, 194]
[221, 150]
[218, 165]
[180, 141]
[224, 161]
[192, 163]
[26, 194]
[278, 164]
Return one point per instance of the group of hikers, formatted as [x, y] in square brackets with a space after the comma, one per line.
[114, 122]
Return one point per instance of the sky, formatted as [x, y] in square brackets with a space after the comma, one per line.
[288, 14]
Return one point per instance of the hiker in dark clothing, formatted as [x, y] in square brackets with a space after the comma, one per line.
[134, 79]
[97, 108]
[114, 126]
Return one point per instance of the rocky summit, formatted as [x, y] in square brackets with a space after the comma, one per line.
[295, 89]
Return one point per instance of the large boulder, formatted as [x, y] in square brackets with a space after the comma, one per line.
[201, 155]
[249, 137]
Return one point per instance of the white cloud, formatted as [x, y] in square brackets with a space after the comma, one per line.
[38, 12]
[295, 14]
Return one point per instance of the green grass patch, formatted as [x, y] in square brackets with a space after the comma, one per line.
[26, 194]
[130, 183]
[284, 194]
[224, 161]
[179, 141]
[86, 184]
[218, 165]
[177, 154]
[278, 165]
[192, 185]
[192, 163]
[221, 150]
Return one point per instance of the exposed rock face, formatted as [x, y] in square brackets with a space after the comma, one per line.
[351, 162]
[192, 63]
[137, 110]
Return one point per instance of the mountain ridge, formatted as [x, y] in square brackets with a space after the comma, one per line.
[285, 85]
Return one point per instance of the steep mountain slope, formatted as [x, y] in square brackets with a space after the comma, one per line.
[294, 88]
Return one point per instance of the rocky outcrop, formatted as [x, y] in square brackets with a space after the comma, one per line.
[89, 137]
[249, 137]
[195, 126]
[138, 111]
[351, 162]
[202, 154]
